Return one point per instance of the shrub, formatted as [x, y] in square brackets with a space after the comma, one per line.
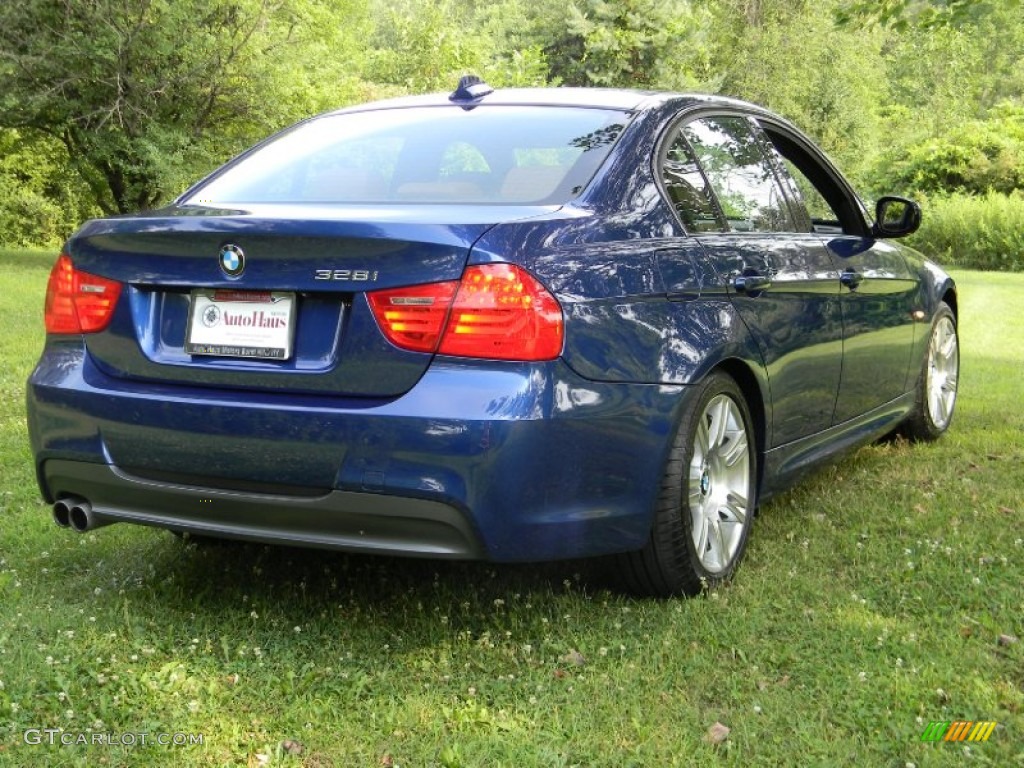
[42, 200]
[981, 156]
[27, 219]
[979, 232]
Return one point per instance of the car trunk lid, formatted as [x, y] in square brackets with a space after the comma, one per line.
[324, 260]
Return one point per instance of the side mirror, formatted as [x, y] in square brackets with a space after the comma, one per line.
[896, 217]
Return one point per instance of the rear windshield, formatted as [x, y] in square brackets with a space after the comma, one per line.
[490, 154]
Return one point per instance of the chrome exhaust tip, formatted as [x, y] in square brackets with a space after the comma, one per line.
[82, 518]
[62, 511]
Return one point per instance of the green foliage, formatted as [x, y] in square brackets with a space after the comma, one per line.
[143, 94]
[937, 79]
[620, 43]
[911, 15]
[979, 232]
[41, 199]
[28, 218]
[981, 156]
[122, 105]
[421, 46]
[790, 57]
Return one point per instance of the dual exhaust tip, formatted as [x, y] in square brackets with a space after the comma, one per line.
[76, 514]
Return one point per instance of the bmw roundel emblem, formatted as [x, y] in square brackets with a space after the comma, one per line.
[232, 260]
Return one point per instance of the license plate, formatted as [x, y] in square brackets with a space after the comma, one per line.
[253, 324]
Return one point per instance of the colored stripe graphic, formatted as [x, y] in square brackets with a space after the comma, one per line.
[958, 730]
[982, 731]
[935, 730]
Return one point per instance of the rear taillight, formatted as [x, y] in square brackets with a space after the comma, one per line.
[77, 302]
[502, 312]
[499, 312]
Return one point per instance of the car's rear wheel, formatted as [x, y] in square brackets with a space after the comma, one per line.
[706, 506]
[938, 381]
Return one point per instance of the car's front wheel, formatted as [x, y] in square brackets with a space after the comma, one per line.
[938, 381]
[706, 506]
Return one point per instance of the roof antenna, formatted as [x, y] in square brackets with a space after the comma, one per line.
[471, 88]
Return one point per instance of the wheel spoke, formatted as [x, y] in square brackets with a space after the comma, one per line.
[948, 344]
[935, 404]
[701, 539]
[736, 508]
[702, 440]
[945, 404]
[719, 413]
[736, 449]
[723, 553]
[695, 495]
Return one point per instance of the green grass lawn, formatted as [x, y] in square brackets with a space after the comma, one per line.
[871, 603]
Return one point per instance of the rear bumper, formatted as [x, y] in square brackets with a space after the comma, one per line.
[344, 520]
[499, 461]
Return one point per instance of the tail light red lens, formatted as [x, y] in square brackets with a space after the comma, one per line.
[499, 312]
[413, 317]
[502, 312]
[77, 302]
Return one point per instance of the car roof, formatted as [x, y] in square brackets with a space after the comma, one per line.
[597, 98]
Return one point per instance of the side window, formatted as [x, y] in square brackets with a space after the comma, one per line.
[688, 189]
[812, 210]
[821, 203]
[741, 175]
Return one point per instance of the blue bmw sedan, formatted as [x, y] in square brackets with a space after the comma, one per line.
[513, 325]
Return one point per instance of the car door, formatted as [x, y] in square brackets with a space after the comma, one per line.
[878, 289]
[718, 174]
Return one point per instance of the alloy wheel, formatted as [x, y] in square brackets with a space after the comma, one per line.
[719, 487]
[943, 373]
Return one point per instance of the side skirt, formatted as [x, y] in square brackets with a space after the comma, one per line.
[786, 464]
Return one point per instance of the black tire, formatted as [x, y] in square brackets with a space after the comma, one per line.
[937, 383]
[699, 488]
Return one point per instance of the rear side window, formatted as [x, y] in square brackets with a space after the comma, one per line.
[733, 158]
[688, 189]
[491, 154]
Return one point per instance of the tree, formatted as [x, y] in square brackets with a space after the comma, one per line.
[911, 15]
[622, 43]
[142, 93]
[978, 157]
[425, 45]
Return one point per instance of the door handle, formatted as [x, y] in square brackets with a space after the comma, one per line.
[751, 283]
[851, 278]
